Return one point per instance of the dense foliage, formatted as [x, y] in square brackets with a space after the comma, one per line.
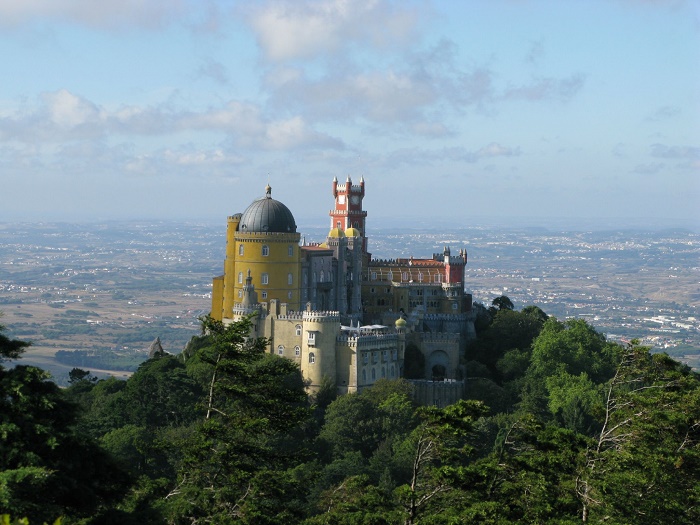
[557, 425]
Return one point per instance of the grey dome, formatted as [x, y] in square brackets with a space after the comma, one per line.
[267, 215]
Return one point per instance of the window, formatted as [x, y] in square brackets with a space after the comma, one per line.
[240, 277]
[374, 375]
[312, 358]
[280, 349]
[265, 250]
[437, 278]
[364, 376]
[289, 295]
[404, 276]
[265, 278]
[240, 249]
[297, 351]
[290, 250]
[322, 276]
[454, 306]
[298, 329]
[390, 275]
[385, 355]
[240, 293]
[374, 276]
[290, 278]
[420, 277]
[311, 340]
[365, 358]
[337, 224]
[264, 295]
[393, 372]
[383, 372]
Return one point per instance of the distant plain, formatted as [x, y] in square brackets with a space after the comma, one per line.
[116, 286]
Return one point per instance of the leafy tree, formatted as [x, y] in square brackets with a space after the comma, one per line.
[252, 406]
[46, 468]
[160, 393]
[502, 303]
[440, 444]
[644, 465]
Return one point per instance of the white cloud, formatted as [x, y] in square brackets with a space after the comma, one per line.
[288, 29]
[497, 150]
[94, 13]
[62, 117]
[675, 152]
[546, 89]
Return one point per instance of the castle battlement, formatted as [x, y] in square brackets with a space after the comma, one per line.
[374, 341]
[353, 188]
[321, 316]
[446, 317]
[292, 316]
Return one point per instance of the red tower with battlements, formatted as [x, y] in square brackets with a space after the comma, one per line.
[348, 212]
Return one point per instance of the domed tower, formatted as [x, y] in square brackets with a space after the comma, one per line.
[262, 243]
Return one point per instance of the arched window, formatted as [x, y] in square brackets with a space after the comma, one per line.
[312, 358]
[374, 375]
[240, 249]
[290, 278]
[298, 329]
[383, 372]
[393, 372]
[297, 351]
[265, 250]
[364, 376]
[280, 349]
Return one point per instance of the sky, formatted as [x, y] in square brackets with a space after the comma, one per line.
[454, 111]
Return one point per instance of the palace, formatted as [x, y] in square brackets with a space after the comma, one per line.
[339, 313]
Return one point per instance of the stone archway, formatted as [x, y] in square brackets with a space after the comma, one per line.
[438, 364]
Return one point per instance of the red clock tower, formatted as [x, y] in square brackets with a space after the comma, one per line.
[348, 212]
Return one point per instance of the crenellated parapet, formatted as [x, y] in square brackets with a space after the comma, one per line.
[291, 316]
[446, 317]
[369, 342]
[247, 309]
[321, 316]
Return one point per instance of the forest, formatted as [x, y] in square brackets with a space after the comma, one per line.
[557, 426]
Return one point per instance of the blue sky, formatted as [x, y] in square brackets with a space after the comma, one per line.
[524, 111]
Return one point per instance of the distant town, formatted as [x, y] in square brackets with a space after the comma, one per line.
[115, 287]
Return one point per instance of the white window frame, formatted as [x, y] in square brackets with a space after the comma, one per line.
[265, 278]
